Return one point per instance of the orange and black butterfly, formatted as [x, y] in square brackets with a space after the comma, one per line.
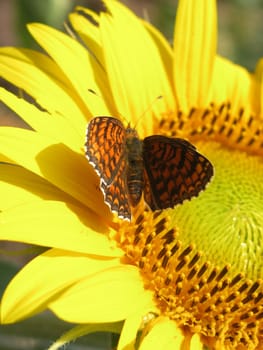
[166, 170]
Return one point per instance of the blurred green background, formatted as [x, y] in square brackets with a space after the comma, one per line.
[240, 22]
[240, 39]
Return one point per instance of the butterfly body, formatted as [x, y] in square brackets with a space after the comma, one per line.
[134, 167]
[165, 170]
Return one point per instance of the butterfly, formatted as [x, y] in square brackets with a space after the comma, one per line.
[165, 170]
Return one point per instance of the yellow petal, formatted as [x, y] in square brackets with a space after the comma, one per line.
[16, 66]
[47, 278]
[74, 60]
[194, 52]
[81, 330]
[19, 186]
[257, 96]
[167, 56]
[130, 329]
[55, 162]
[88, 29]
[59, 225]
[55, 126]
[163, 335]
[231, 83]
[135, 68]
[110, 295]
[89, 32]
[196, 343]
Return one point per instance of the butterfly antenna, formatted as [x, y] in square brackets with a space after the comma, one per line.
[148, 108]
[122, 116]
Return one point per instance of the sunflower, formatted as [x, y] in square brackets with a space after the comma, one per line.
[181, 278]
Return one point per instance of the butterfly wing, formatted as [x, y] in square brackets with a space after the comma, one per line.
[173, 171]
[105, 150]
[116, 194]
[105, 146]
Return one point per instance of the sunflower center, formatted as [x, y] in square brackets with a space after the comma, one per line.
[226, 220]
[203, 259]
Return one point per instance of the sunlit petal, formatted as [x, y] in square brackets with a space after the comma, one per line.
[57, 224]
[194, 52]
[48, 92]
[55, 126]
[123, 285]
[80, 75]
[55, 272]
[131, 97]
[52, 160]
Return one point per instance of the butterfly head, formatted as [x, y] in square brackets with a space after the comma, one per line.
[131, 132]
